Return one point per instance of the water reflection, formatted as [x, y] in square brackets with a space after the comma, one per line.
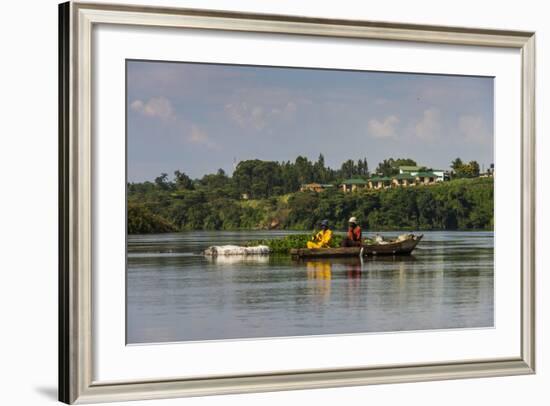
[176, 294]
[320, 274]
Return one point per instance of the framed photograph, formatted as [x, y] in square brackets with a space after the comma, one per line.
[254, 202]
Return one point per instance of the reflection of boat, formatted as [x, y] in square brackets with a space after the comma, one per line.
[320, 273]
[390, 247]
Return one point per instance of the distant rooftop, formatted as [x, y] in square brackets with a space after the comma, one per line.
[426, 175]
[404, 176]
[354, 181]
[410, 168]
[380, 179]
[315, 184]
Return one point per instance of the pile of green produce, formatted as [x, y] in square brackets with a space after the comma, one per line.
[285, 244]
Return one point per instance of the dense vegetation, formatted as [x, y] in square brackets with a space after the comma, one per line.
[144, 221]
[284, 244]
[263, 195]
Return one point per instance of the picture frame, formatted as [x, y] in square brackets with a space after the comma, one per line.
[76, 215]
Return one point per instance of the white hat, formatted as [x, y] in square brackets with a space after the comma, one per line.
[353, 220]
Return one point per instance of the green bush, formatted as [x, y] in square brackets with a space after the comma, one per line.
[142, 221]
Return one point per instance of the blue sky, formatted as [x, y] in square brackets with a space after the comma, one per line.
[201, 117]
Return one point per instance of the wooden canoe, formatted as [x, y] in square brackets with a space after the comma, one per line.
[404, 247]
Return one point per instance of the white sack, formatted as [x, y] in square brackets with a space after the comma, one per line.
[236, 250]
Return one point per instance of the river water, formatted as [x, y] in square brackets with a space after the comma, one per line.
[176, 294]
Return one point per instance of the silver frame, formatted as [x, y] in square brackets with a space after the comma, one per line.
[76, 21]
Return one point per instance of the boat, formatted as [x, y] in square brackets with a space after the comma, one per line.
[400, 246]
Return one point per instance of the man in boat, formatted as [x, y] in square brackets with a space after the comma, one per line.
[353, 238]
[322, 238]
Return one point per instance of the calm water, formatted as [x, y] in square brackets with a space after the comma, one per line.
[176, 294]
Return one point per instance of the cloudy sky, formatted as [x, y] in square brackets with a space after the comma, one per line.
[199, 117]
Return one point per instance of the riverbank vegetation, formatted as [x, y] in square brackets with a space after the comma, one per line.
[263, 195]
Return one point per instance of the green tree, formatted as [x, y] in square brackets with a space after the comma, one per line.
[258, 179]
[457, 164]
[390, 166]
[348, 169]
[363, 167]
[215, 181]
[462, 170]
[162, 182]
[303, 170]
[427, 209]
[472, 169]
[141, 220]
[183, 181]
[320, 173]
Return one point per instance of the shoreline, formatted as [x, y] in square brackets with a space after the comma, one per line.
[311, 231]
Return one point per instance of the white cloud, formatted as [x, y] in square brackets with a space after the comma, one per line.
[245, 115]
[257, 113]
[200, 137]
[429, 126]
[474, 128]
[159, 107]
[383, 129]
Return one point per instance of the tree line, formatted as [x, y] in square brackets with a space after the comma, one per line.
[261, 179]
[257, 179]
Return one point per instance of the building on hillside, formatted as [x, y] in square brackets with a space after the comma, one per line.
[425, 178]
[403, 179]
[379, 182]
[407, 176]
[440, 174]
[315, 187]
[352, 185]
[411, 170]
